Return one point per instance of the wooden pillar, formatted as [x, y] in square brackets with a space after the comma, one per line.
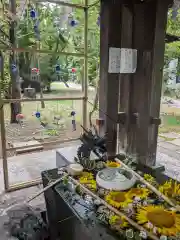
[140, 95]
[110, 36]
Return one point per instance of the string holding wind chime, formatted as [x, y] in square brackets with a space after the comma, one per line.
[34, 16]
[73, 113]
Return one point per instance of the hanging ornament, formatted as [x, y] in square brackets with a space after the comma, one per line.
[73, 113]
[38, 114]
[57, 68]
[34, 74]
[73, 70]
[98, 21]
[35, 70]
[13, 68]
[20, 118]
[33, 14]
[73, 23]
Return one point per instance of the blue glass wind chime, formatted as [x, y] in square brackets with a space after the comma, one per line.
[35, 71]
[34, 17]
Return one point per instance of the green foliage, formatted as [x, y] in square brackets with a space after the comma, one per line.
[172, 50]
[56, 35]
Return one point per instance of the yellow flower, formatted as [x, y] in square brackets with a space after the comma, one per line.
[171, 189]
[138, 192]
[86, 177]
[149, 178]
[118, 221]
[118, 199]
[91, 185]
[166, 222]
[88, 180]
[112, 164]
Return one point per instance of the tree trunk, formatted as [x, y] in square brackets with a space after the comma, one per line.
[15, 87]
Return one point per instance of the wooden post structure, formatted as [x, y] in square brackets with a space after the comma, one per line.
[110, 36]
[140, 25]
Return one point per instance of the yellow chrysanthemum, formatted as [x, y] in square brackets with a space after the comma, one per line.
[91, 185]
[118, 199]
[149, 178]
[88, 180]
[171, 189]
[166, 222]
[85, 177]
[138, 192]
[112, 164]
[118, 221]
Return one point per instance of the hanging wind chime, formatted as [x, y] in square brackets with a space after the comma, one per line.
[72, 22]
[33, 15]
[73, 74]
[73, 113]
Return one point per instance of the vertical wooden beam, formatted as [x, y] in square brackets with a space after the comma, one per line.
[85, 84]
[143, 36]
[110, 36]
[125, 79]
[149, 19]
[157, 71]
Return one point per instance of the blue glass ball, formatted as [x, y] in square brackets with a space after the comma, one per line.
[13, 68]
[37, 114]
[58, 68]
[73, 113]
[73, 23]
[33, 14]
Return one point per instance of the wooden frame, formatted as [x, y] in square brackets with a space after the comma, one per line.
[83, 97]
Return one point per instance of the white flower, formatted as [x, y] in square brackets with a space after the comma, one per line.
[143, 234]
[155, 230]
[145, 203]
[137, 199]
[149, 225]
[130, 205]
[163, 237]
[129, 233]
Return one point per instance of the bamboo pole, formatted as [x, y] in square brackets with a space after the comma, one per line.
[3, 146]
[85, 84]
[34, 50]
[45, 99]
[62, 3]
[117, 212]
[94, 4]
[19, 186]
[152, 188]
[3, 131]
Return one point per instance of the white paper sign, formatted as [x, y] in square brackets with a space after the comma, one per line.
[122, 60]
[128, 62]
[114, 60]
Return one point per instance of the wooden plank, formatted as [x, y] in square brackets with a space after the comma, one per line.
[125, 79]
[145, 35]
[110, 36]
[157, 70]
